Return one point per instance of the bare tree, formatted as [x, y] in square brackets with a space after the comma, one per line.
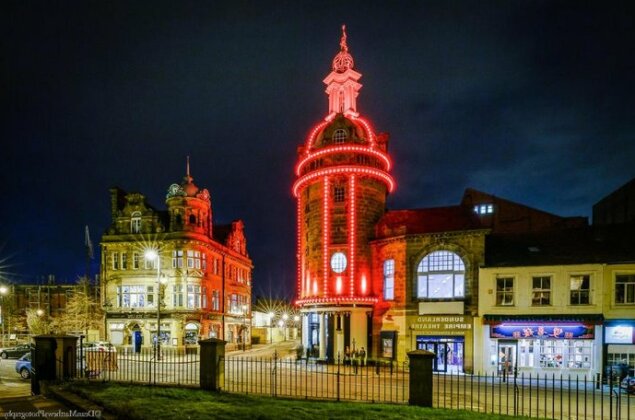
[83, 312]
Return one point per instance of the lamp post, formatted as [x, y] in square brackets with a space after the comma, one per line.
[3, 291]
[285, 318]
[244, 337]
[271, 315]
[153, 255]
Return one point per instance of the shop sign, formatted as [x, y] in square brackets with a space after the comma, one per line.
[443, 325]
[539, 331]
[619, 334]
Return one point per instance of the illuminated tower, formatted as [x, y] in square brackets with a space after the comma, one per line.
[341, 188]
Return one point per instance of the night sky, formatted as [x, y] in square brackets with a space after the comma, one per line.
[531, 101]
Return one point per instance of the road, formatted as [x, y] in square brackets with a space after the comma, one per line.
[11, 384]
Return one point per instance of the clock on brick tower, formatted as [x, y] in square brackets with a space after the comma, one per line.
[341, 187]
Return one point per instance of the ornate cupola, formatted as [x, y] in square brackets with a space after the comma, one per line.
[341, 187]
[189, 208]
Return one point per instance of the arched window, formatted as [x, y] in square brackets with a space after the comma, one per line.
[135, 222]
[339, 136]
[441, 275]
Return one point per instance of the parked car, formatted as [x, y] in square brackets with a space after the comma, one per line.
[23, 366]
[16, 351]
[628, 384]
[99, 346]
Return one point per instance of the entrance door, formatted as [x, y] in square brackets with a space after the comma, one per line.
[136, 341]
[439, 363]
[506, 357]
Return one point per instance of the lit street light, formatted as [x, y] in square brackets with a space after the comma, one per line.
[3, 291]
[153, 255]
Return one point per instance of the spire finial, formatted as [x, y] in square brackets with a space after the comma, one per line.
[343, 46]
[343, 60]
[188, 178]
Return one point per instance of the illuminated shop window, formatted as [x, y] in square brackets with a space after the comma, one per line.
[580, 286]
[441, 275]
[389, 279]
[338, 262]
[339, 136]
[541, 291]
[339, 193]
[625, 289]
[505, 291]
[484, 209]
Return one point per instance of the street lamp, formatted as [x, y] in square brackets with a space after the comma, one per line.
[153, 255]
[244, 308]
[285, 317]
[3, 291]
[271, 315]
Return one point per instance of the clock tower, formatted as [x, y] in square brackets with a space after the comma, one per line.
[341, 187]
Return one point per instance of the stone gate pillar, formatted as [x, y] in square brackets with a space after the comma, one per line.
[212, 366]
[420, 378]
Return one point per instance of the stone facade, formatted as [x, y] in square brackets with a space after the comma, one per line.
[202, 277]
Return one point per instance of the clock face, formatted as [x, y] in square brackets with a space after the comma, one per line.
[338, 262]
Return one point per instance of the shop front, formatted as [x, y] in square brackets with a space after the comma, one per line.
[449, 337]
[619, 346]
[543, 347]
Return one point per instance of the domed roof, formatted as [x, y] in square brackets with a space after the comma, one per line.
[187, 187]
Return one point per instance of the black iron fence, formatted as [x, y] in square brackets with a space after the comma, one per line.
[535, 395]
[375, 381]
[169, 366]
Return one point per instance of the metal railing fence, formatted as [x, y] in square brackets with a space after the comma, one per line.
[385, 382]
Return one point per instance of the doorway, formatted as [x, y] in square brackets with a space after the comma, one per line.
[448, 351]
[506, 357]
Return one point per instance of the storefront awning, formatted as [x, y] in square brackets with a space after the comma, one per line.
[587, 318]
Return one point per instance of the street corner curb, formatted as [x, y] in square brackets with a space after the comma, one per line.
[78, 403]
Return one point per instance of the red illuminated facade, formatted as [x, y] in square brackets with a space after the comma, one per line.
[341, 187]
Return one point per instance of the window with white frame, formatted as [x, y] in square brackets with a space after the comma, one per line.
[236, 303]
[625, 289]
[151, 264]
[215, 300]
[132, 296]
[541, 291]
[115, 261]
[389, 279]
[135, 222]
[204, 261]
[177, 258]
[441, 275]
[135, 260]
[177, 295]
[505, 291]
[579, 289]
[339, 136]
[124, 261]
[193, 296]
[193, 259]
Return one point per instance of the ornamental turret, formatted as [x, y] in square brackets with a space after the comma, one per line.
[189, 208]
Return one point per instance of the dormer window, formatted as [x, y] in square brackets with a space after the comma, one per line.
[483, 209]
[339, 136]
[135, 222]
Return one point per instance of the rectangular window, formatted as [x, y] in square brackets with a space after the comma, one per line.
[115, 260]
[203, 297]
[204, 261]
[193, 296]
[541, 291]
[580, 285]
[150, 296]
[215, 300]
[389, 279]
[124, 261]
[505, 291]
[625, 289]
[177, 259]
[215, 266]
[151, 264]
[135, 261]
[338, 194]
[132, 296]
[177, 297]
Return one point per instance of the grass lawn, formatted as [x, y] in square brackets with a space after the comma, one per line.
[146, 402]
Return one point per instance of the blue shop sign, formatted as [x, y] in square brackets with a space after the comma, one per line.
[542, 331]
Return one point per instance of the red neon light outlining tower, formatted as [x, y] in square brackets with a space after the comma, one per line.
[341, 187]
